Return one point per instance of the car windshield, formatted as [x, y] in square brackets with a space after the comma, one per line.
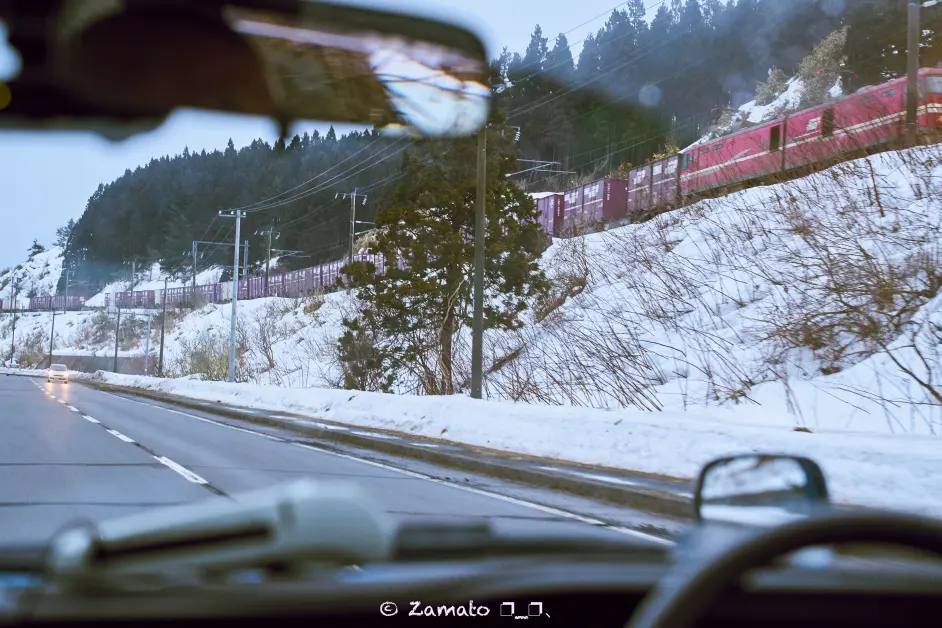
[705, 229]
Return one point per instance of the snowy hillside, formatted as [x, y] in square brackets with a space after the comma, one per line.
[812, 304]
[720, 305]
[38, 276]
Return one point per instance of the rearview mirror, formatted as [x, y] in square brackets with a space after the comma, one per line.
[759, 489]
[133, 63]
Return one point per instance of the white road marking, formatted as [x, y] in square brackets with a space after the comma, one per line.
[198, 418]
[504, 498]
[371, 435]
[118, 434]
[186, 473]
[62, 401]
[424, 444]
[592, 476]
[72, 408]
[90, 419]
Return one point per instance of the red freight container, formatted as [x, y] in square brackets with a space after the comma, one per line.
[604, 201]
[138, 298]
[572, 208]
[639, 189]
[551, 213]
[664, 183]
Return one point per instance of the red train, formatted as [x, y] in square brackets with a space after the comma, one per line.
[869, 118]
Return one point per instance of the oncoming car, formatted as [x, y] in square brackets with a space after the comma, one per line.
[58, 372]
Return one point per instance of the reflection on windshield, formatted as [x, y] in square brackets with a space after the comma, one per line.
[397, 83]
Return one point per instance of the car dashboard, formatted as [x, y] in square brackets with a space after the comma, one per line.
[561, 591]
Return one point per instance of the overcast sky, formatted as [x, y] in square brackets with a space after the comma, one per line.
[46, 178]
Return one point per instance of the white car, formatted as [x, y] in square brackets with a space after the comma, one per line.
[58, 372]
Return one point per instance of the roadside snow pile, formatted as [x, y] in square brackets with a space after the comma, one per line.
[898, 472]
[38, 277]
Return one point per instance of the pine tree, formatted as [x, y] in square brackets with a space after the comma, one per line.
[420, 310]
[64, 232]
[35, 249]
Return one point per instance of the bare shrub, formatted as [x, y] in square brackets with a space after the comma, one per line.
[94, 331]
[207, 354]
[264, 330]
[32, 350]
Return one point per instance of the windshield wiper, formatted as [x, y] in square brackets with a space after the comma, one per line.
[330, 523]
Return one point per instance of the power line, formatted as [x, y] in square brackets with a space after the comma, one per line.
[253, 205]
[331, 182]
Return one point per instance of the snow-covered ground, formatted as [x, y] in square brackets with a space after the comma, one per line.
[707, 314]
[38, 275]
[895, 472]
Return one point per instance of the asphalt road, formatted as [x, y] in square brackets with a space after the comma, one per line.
[69, 452]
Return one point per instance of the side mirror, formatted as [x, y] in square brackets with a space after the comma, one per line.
[759, 489]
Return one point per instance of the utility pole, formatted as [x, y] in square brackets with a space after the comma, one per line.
[269, 233]
[912, 68]
[245, 260]
[477, 329]
[52, 335]
[194, 269]
[238, 215]
[163, 326]
[117, 335]
[147, 345]
[14, 288]
[353, 217]
[68, 270]
[268, 263]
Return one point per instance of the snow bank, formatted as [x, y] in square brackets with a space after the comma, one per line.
[898, 472]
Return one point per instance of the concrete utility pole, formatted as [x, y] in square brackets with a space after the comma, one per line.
[245, 260]
[14, 288]
[147, 345]
[68, 270]
[269, 232]
[912, 69]
[238, 215]
[268, 264]
[353, 217]
[117, 335]
[194, 269]
[52, 335]
[163, 327]
[477, 329]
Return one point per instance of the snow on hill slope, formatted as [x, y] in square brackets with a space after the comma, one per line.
[812, 304]
[38, 276]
